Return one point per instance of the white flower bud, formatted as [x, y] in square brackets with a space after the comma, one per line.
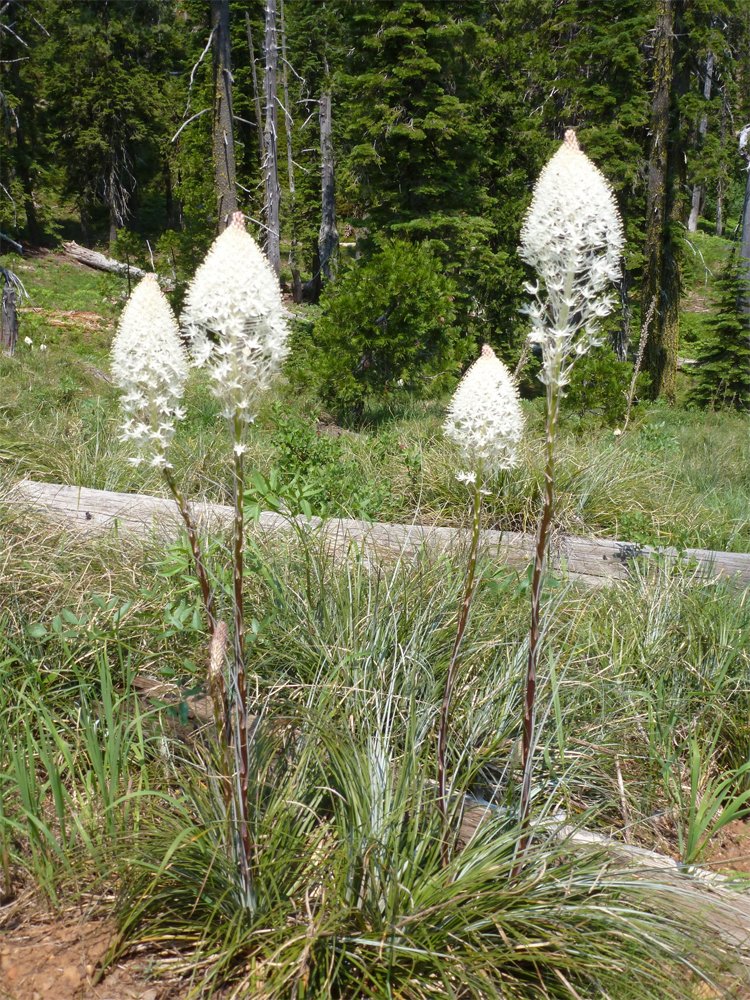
[149, 363]
[234, 298]
[573, 237]
[484, 416]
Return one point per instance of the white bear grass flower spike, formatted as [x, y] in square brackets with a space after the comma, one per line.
[485, 420]
[150, 365]
[235, 320]
[573, 238]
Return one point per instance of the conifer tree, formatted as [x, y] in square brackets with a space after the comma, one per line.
[722, 376]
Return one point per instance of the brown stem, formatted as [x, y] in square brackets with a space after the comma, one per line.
[463, 618]
[240, 682]
[553, 403]
[200, 566]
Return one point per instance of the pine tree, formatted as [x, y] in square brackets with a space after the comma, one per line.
[722, 376]
[414, 143]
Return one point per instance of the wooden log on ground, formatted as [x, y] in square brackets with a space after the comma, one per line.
[593, 561]
[98, 261]
[710, 896]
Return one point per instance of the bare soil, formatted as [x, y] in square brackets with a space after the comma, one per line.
[58, 959]
[68, 317]
[729, 850]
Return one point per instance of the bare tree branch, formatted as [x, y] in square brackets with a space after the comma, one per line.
[190, 119]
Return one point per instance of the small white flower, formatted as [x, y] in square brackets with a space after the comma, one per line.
[573, 237]
[28, 341]
[42, 347]
[466, 477]
[484, 417]
[150, 365]
[235, 320]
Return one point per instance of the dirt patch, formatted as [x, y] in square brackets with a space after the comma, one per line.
[59, 960]
[68, 317]
[729, 850]
[697, 302]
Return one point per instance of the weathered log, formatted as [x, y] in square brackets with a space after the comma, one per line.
[592, 561]
[707, 895]
[98, 261]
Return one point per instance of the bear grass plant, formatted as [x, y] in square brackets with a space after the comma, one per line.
[349, 660]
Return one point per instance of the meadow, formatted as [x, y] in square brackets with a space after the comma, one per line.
[111, 791]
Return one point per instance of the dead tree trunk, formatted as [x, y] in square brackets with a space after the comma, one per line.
[661, 281]
[328, 239]
[721, 184]
[225, 171]
[256, 92]
[698, 192]
[8, 320]
[745, 236]
[270, 136]
[288, 123]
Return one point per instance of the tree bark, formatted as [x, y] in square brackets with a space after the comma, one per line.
[661, 279]
[8, 320]
[293, 247]
[720, 186]
[270, 140]
[225, 171]
[256, 91]
[328, 239]
[745, 240]
[697, 199]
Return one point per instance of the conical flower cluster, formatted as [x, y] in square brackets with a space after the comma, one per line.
[484, 417]
[235, 320]
[573, 237]
[150, 365]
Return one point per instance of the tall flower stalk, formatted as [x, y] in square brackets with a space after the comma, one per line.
[236, 323]
[150, 365]
[485, 422]
[573, 237]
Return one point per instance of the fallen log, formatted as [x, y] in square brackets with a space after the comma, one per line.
[592, 561]
[718, 899]
[98, 261]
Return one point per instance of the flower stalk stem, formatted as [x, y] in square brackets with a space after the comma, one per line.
[554, 390]
[240, 679]
[463, 617]
[200, 566]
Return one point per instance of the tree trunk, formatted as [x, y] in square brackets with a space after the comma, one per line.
[328, 239]
[661, 280]
[225, 172]
[745, 242]
[270, 139]
[621, 334]
[256, 92]
[8, 320]
[293, 247]
[720, 186]
[697, 199]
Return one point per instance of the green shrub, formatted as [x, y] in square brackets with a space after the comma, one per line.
[387, 324]
[599, 386]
